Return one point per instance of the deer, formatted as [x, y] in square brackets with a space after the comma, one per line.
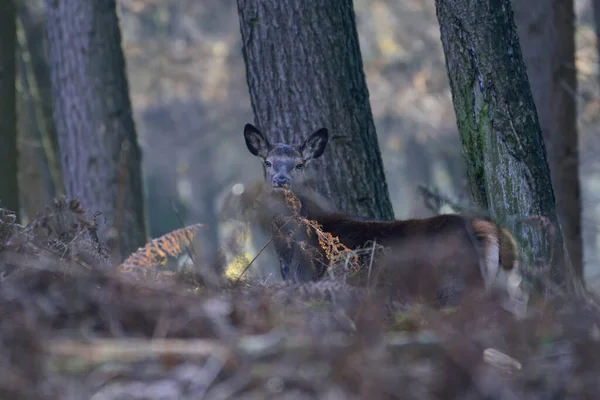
[452, 241]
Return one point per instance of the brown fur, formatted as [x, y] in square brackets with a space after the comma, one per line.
[452, 241]
[490, 233]
[444, 230]
[421, 270]
[474, 242]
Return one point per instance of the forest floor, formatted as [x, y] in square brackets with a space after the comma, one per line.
[72, 329]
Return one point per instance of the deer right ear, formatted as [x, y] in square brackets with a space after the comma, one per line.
[256, 142]
[314, 145]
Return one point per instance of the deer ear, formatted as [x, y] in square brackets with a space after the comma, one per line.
[255, 141]
[314, 146]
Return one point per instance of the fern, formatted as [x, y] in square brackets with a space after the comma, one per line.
[331, 245]
[155, 253]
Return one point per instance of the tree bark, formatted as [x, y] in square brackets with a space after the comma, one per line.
[419, 171]
[547, 36]
[9, 188]
[592, 230]
[33, 42]
[304, 71]
[93, 117]
[204, 193]
[499, 128]
[596, 8]
[36, 189]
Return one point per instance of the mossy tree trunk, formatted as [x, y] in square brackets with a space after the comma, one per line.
[304, 71]
[547, 35]
[93, 117]
[9, 189]
[499, 128]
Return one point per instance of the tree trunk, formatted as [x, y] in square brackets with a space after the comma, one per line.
[93, 118]
[596, 8]
[33, 42]
[592, 230]
[204, 211]
[9, 189]
[304, 71]
[547, 36]
[35, 182]
[499, 127]
[418, 172]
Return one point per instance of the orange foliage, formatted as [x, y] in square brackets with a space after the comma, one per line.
[156, 251]
[334, 250]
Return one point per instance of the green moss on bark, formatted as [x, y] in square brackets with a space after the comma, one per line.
[498, 124]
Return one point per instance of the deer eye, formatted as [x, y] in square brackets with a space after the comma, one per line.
[299, 166]
[267, 163]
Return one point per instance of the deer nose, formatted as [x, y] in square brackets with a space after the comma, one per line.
[280, 181]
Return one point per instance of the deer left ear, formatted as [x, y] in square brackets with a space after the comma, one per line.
[256, 142]
[314, 145]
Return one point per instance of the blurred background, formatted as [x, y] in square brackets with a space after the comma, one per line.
[190, 99]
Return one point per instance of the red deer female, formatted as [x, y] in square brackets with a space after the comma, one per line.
[453, 241]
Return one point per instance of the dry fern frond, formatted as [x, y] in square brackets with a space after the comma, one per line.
[331, 245]
[8, 225]
[156, 251]
[64, 219]
[12, 241]
[63, 230]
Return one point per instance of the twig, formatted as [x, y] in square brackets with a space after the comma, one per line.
[73, 258]
[99, 351]
[431, 195]
[251, 261]
[371, 264]
[213, 368]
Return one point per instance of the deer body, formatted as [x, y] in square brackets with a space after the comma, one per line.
[454, 242]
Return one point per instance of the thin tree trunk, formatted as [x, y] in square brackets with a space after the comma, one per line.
[204, 193]
[547, 36]
[304, 71]
[596, 8]
[418, 172]
[33, 42]
[35, 182]
[498, 125]
[93, 117]
[9, 189]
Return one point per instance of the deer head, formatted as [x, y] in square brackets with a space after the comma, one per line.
[285, 165]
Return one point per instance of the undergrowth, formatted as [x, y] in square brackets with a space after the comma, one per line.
[74, 326]
[335, 251]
